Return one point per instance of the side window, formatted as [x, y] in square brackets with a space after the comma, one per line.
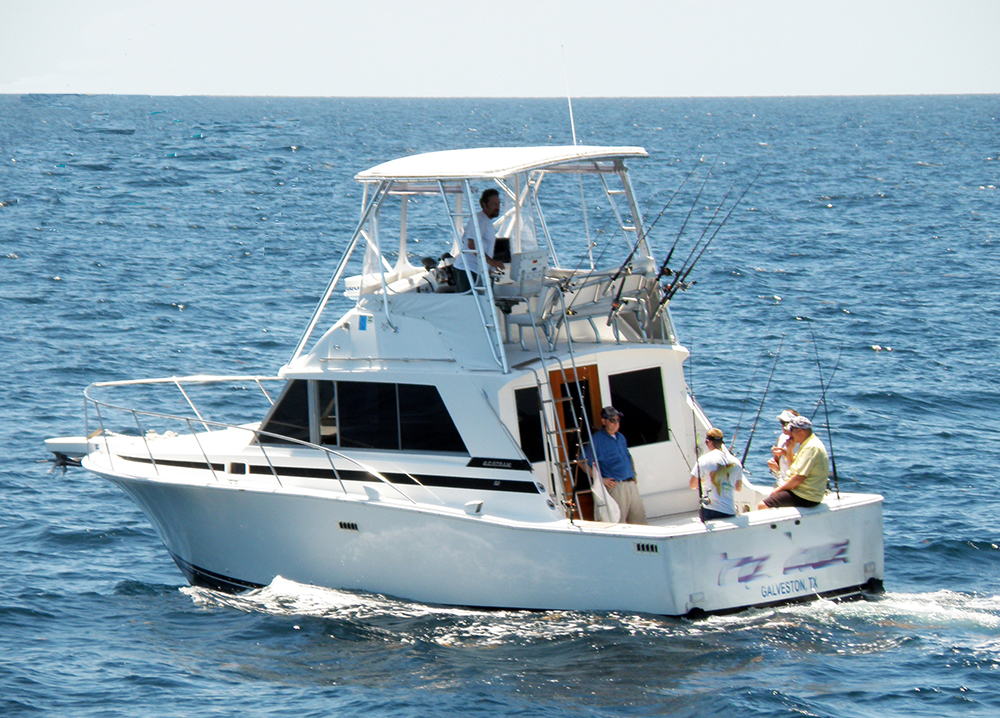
[424, 422]
[529, 423]
[639, 396]
[289, 416]
[368, 417]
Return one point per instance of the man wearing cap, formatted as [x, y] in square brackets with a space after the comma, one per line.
[720, 475]
[783, 449]
[610, 453]
[806, 484]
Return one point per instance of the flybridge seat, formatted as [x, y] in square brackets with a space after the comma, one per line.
[527, 282]
[562, 296]
[526, 274]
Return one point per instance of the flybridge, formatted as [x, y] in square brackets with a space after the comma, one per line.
[540, 300]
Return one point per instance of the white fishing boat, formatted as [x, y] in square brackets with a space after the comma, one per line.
[426, 443]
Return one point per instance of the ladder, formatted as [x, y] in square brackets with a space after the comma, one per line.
[482, 292]
[559, 435]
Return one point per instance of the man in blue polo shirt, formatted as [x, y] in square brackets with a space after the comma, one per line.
[615, 462]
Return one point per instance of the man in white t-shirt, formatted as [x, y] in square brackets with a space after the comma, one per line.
[720, 475]
[468, 256]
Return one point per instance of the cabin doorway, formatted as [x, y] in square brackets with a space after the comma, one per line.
[577, 394]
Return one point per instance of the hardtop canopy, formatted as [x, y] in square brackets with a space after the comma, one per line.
[491, 162]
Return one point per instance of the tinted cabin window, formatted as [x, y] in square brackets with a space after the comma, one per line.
[368, 416]
[365, 415]
[328, 412]
[424, 422]
[290, 415]
[529, 423]
[639, 396]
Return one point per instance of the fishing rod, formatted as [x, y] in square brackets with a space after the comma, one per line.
[685, 268]
[753, 378]
[650, 228]
[616, 302]
[761, 407]
[829, 381]
[697, 457]
[826, 410]
[683, 273]
[664, 269]
[708, 226]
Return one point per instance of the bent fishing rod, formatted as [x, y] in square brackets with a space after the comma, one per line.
[777, 354]
[826, 410]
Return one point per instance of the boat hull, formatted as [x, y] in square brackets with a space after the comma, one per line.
[235, 538]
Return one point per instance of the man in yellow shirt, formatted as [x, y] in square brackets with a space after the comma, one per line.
[806, 484]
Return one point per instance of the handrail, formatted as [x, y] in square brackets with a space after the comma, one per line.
[98, 403]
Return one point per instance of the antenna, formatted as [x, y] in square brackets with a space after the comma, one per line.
[572, 127]
[569, 100]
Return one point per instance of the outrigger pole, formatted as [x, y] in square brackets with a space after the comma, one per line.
[572, 127]
[826, 410]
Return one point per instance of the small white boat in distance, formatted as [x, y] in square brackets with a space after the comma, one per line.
[426, 443]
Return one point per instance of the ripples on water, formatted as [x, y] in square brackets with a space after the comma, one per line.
[158, 236]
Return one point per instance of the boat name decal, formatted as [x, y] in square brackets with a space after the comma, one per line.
[785, 588]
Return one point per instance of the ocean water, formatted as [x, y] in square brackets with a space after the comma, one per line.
[146, 236]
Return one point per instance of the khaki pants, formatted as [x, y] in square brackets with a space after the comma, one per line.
[626, 495]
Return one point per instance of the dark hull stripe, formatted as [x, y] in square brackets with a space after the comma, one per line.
[208, 579]
[449, 482]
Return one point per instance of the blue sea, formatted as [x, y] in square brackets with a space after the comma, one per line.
[158, 236]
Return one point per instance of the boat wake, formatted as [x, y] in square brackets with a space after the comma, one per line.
[440, 624]
[889, 617]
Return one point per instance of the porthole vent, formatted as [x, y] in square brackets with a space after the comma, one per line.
[647, 548]
[348, 526]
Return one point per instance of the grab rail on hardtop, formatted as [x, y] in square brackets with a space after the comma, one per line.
[207, 379]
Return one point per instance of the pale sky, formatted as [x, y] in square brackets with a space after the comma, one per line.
[510, 48]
